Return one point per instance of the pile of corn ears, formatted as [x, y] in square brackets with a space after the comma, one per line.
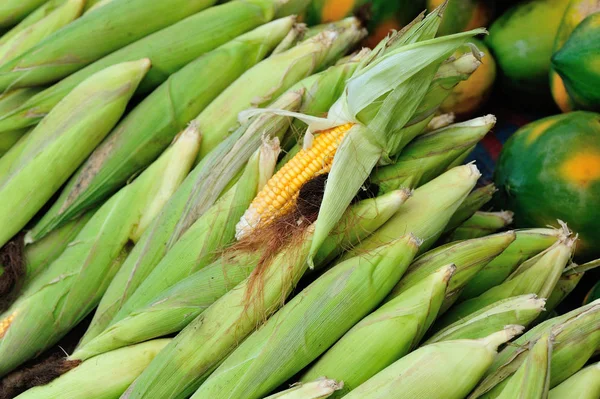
[206, 201]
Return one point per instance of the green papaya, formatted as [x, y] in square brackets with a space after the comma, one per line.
[578, 64]
[550, 170]
[522, 40]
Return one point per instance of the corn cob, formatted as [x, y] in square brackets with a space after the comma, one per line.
[62, 295]
[385, 335]
[35, 16]
[13, 11]
[520, 310]
[169, 50]
[577, 335]
[172, 309]
[309, 323]
[481, 224]
[118, 24]
[538, 275]
[451, 367]
[56, 143]
[425, 214]
[199, 246]
[381, 115]
[277, 198]
[528, 243]
[269, 79]
[477, 199]
[35, 33]
[103, 377]
[571, 276]
[468, 256]
[319, 389]
[584, 384]
[532, 379]
[207, 340]
[431, 154]
[149, 127]
[204, 185]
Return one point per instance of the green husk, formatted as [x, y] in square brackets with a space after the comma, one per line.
[8, 102]
[13, 11]
[270, 78]
[203, 186]
[104, 377]
[70, 288]
[150, 127]
[35, 16]
[584, 384]
[520, 310]
[199, 246]
[171, 310]
[532, 379]
[451, 367]
[468, 256]
[528, 243]
[384, 336]
[426, 213]
[77, 44]
[319, 389]
[538, 276]
[577, 335]
[169, 49]
[198, 350]
[22, 41]
[381, 115]
[62, 141]
[481, 224]
[477, 199]
[431, 154]
[571, 276]
[311, 322]
[9, 139]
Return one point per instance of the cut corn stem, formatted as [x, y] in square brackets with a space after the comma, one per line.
[468, 256]
[71, 287]
[430, 155]
[528, 243]
[538, 275]
[103, 377]
[35, 33]
[520, 310]
[384, 336]
[213, 335]
[148, 129]
[426, 212]
[68, 50]
[477, 199]
[323, 311]
[584, 384]
[319, 389]
[171, 310]
[57, 145]
[577, 335]
[481, 224]
[451, 367]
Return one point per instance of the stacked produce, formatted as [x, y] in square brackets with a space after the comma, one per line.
[215, 200]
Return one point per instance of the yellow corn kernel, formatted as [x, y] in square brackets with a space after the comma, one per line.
[5, 323]
[279, 194]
